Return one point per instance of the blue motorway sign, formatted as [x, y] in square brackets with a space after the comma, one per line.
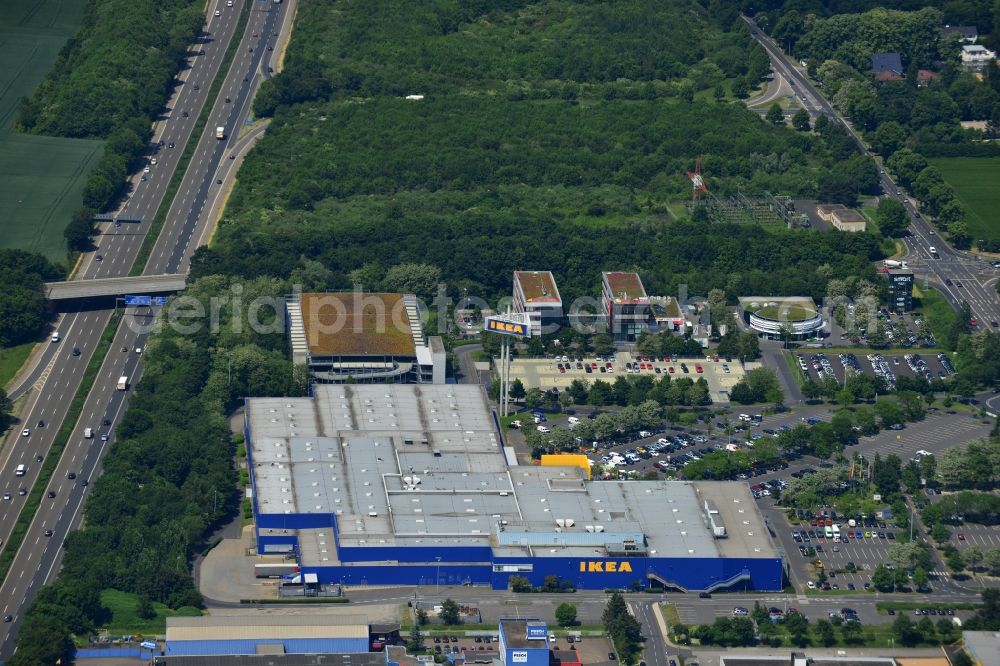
[159, 300]
[138, 300]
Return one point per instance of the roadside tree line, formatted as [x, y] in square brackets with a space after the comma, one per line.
[169, 479]
[110, 81]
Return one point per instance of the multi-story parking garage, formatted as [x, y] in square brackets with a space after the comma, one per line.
[412, 485]
[771, 315]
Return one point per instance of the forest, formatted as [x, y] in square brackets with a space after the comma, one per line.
[514, 47]
[24, 313]
[572, 174]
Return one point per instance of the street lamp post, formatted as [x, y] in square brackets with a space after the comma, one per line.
[437, 577]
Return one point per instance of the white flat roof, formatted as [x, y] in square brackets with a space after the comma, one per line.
[419, 465]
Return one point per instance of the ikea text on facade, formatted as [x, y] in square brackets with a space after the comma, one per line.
[605, 567]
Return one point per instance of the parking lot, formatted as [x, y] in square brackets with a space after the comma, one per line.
[721, 374]
[819, 365]
[984, 536]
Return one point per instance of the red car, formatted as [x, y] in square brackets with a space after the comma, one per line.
[961, 537]
[698, 368]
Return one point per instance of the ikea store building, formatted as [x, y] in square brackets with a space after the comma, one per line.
[412, 485]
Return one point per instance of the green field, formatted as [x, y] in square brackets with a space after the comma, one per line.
[41, 178]
[125, 620]
[975, 181]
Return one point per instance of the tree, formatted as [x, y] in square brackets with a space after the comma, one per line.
[144, 607]
[602, 344]
[882, 579]
[904, 630]
[775, 115]
[416, 642]
[800, 121]
[517, 391]
[520, 584]
[907, 165]
[80, 229]
[824, 632]
[889, 137]
[5, 406]
[925, 630]
[533, 398]
[973, 556]
[450, 613]
[851, 632]
[797, 625]
[920, 578]
[566, 614]
[891, 217]
[419, 279]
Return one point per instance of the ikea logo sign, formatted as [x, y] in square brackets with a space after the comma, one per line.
[605, 567]
[506, 327]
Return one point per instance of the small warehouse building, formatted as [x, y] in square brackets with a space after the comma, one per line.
[358, 337]
[212, 635]
[524, 642]
[842, 218]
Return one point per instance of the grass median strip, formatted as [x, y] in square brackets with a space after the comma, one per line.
[199, 127]
[58, 446]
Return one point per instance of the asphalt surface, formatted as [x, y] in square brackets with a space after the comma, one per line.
[976, 274]
[58, 373]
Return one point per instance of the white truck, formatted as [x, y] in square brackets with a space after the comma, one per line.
[933, 251]
[890, 263]
[88, 433]
[220, 132]
[123, 382]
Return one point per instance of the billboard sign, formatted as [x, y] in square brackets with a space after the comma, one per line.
[508, 326]
[537, 631]
[138, 300]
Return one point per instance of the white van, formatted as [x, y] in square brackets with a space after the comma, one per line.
[88, 433]
[55, 336]
[21, 469]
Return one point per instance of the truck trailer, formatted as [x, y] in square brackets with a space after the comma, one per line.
[275, 570]
[220, 132]
[123, 382]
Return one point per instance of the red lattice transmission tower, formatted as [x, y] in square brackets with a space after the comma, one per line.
[697, 182]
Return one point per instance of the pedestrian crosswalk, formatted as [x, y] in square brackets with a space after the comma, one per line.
[938, 574]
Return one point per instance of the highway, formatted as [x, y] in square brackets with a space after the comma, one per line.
[57, 374]
[975, 274]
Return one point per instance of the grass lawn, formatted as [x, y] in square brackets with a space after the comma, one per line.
[800, 376]
[41, 178]
[11, 360]
[125, 621]
[938, 313]
[787, 312]
[975, 181]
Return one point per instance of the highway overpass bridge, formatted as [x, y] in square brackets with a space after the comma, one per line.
[117, 286]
